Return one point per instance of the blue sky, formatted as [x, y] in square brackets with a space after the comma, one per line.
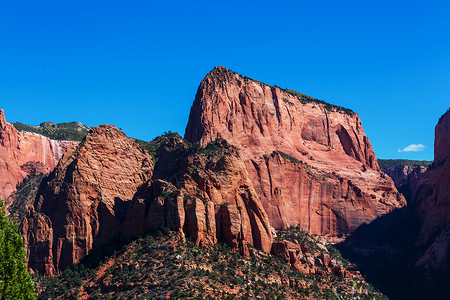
[137, 64]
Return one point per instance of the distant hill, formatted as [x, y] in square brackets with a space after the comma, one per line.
[73, 131]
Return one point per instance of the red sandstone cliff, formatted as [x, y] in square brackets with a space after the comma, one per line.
[102, 191]
[431, 197]
[84, 199]
[22, 152]
[205, 194]
[404, 173]
[310, 162]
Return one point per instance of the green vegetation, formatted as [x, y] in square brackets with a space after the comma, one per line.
[163, 266]
[328, 106]
[170, 141]
[392, 163]
[288, 157]
[154, 146]
[24, 195]
[15, 282]
[73, 131]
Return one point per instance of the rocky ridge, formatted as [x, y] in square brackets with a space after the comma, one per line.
[23, 153]
[163, 266]
[402, 171]
[108, 189]
[310, 162]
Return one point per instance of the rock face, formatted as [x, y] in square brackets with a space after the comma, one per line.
[22, 153]
[207, 194]
[431, 198]
[84, 200]
[403, 174]
[310, 162]
[108, 188]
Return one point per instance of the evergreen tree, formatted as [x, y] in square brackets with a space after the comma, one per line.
[15, 281]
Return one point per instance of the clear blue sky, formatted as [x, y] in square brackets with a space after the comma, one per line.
[137, 64]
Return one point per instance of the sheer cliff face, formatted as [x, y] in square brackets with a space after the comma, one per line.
[431, 198]
[19, 150]
[311, 163]
[103, 190]
[405, 173]
[81, 205]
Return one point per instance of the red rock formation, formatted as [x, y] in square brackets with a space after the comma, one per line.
[102, 191]
[17, 149]
[85, 199]
[404, 173]
[210, 199]
[310, 162]
[431, 197]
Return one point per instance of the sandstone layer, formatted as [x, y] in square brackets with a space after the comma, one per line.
[108, 188]
[309, 161]
[431, 199]
[23, 153]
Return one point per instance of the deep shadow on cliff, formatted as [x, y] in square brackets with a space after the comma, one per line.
[385, 253]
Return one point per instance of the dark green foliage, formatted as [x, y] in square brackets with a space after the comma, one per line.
[392, 163]
[15, 282]
[162, 266]
[288, 157]
[172, 142]
[24, 195]
[328, 106]
[153, 146]
[296, 234]
[73, 131]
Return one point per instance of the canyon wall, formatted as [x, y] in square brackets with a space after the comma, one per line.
[405, 173]
[309, 161]
[106, 190]
[22, 153]
[431, 199]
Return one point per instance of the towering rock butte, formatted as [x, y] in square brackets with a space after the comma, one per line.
[431, 199]
[107, 189]
[310, 162]
[23, 152]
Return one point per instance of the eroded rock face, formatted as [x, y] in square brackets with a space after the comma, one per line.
[310, 162]
[204, 194]
[403, 174]
[431, 198]
[85, 199]
[23, 152]
[108, 188]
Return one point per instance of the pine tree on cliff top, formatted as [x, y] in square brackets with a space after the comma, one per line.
[15, 282]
